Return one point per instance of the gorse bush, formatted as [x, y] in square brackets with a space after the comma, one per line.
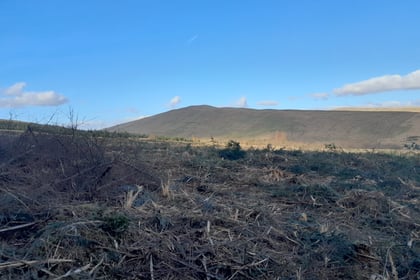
[233, 151]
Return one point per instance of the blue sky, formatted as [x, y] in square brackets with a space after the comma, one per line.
[114, 61]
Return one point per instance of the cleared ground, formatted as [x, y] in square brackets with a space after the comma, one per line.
[78, 206]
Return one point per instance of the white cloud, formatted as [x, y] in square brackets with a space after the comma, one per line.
[241, 102]
[380, 84]
[174, 101]
[320, 96]
[15, 89]
[15, 97]
[267, 103]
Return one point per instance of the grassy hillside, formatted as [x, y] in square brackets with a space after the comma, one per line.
[352, 129]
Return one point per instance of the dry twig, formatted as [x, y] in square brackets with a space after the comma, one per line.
[20, 263]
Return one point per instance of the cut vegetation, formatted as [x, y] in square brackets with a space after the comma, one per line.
[85, 206]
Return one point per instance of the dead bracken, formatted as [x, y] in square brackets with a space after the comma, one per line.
[91, 207]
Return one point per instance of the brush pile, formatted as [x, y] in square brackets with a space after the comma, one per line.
[82, 207]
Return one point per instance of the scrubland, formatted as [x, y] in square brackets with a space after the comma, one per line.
[90, 206]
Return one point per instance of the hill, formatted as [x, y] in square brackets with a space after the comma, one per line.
[348, 129]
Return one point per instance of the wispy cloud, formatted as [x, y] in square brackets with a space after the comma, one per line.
[410, 81]
[267, 103]
[241, 102]
[294, 98]
[174, 101]
[390, 104]
[320, 96]
[192, 39]
[132, 110]
[15, 96]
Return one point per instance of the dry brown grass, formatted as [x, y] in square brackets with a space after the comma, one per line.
[79, 213]
[131, 196]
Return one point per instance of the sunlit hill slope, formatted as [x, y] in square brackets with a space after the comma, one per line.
[347, 129]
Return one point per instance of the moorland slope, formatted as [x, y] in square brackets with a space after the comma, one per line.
[347, 129]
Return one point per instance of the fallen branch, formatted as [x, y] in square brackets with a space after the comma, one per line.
[74, 271]
[17, 227]
[82, 172]
[35, 262]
